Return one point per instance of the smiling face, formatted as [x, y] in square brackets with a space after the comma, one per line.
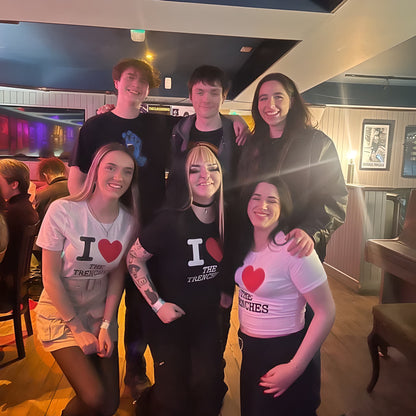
[114, 174]
[207, 99]
[204, 180]
[264, 207]
[273, 105]
[132, 87]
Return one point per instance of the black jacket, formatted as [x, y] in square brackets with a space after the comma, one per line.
[308, 162]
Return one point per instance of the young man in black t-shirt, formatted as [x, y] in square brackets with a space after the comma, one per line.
[208, 89]
[149, 136]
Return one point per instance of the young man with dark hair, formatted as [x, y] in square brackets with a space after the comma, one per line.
[18, 213]
[208, 88]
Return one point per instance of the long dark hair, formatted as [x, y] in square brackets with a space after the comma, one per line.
[245, 240]
[298, 117]
[255, 154]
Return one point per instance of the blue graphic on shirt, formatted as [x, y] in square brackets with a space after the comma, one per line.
[132, 140]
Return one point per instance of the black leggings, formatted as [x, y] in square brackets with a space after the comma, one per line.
[94, 379]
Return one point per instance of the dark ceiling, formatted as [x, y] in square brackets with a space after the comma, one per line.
[80, 58]
[314, 42]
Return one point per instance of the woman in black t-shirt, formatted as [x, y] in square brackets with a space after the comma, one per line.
[176, 265]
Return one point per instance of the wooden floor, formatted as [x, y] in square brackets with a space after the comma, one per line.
[35, 385]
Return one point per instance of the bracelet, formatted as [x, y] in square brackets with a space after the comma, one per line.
[105, 324]
[157, 305]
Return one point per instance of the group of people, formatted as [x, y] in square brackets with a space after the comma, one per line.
[255, 206]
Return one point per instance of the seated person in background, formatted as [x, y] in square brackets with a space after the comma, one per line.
[18, 213]
[4, 237]
[53, 171]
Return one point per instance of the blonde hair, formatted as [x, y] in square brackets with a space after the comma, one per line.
[129, 199]
[202, 152]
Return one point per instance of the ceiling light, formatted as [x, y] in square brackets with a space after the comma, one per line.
[168, 83]
[246, 49]
[137, 35]
[149, 56]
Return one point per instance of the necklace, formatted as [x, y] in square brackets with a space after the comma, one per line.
[202, 205]
[206, 206]
[105, 227]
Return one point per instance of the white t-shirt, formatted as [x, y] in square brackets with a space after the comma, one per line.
[271, 283]
[89, 251]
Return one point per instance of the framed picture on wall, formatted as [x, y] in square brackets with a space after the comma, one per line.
[409, 153]
[376, 141]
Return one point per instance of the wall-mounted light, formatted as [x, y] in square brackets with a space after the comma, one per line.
[137, 35]
[351, 155]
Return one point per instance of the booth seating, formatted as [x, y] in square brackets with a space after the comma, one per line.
[394, 325]
[19, 299]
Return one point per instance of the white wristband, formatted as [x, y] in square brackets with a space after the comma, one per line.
[105, 324]
[157, 305]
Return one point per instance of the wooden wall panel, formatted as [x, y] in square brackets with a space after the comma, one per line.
[344, 126]
[365, 219]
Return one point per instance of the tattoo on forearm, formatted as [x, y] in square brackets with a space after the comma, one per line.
[142, 281]
[137, 251]
[151, 295]
[138, 255]
[133, 269]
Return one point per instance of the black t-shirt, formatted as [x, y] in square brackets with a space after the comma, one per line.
[186, 262]
[213, 137]
[148, 134]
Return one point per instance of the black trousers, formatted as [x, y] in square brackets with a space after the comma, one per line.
[134, 340]
[188, 366]
[302, 398]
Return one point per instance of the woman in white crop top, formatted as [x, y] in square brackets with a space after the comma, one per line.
[280, 372]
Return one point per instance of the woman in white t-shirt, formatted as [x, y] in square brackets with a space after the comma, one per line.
[280, 371]
[84, 240]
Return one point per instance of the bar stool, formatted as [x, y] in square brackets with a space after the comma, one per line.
[394, 324]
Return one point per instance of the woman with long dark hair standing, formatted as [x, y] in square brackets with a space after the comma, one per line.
[285, 143]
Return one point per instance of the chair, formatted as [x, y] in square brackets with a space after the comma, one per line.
[394, 324]
[19, 300]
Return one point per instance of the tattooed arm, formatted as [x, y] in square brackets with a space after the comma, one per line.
[136, 264]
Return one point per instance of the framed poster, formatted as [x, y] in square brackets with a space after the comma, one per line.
[409, 153]
[376, 141]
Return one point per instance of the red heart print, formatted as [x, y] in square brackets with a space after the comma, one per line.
[214, 249]
[109, 251]
[252, 279]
